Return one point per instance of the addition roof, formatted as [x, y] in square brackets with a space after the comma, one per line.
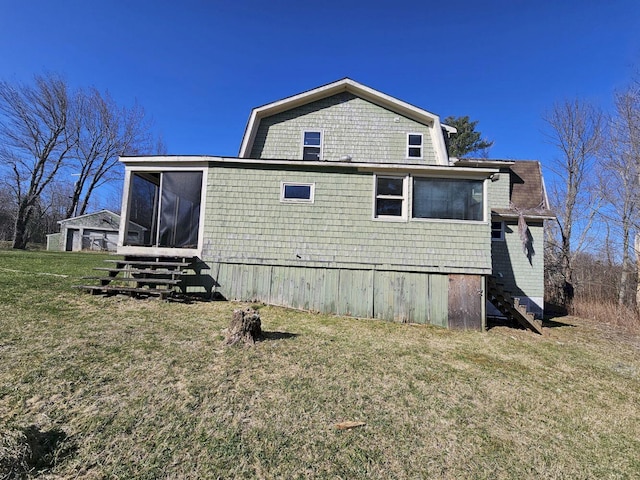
[527, 192]
[344, 85]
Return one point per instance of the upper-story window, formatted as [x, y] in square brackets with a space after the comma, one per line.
[414, 145]
[312, 145]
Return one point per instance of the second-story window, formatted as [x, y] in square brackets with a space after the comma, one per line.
[414, 145]
[312, 145]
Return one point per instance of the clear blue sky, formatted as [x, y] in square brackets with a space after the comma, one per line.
[199, 67]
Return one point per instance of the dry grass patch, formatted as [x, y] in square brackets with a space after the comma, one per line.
[146, 389]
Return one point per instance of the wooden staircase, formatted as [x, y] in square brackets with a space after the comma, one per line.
[510, 307]
[142, 276]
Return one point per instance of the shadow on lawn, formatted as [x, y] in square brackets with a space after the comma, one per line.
[552, 322]
[30, 451]
[278, 335]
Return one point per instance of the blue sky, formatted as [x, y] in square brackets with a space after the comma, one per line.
[199, 67]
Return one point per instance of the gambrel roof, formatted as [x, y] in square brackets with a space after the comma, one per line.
[347, 85]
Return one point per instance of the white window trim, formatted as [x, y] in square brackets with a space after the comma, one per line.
[311, 130]
[421, 135]
[404, 198]
[485, 199]
[501, 238]
[311, 199]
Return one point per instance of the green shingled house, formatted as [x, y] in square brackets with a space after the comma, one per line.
[343, 199]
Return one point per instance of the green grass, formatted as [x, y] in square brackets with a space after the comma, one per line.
[123, 388]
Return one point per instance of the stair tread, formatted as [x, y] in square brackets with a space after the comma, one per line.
[146, 280]
[145, 271]
[511, 306]
[150, 263]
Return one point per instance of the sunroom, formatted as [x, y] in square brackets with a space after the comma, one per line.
[166, 198]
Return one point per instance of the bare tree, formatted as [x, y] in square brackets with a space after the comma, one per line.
[576, 130]
[620, 180]
[102, 131]
[33, 131]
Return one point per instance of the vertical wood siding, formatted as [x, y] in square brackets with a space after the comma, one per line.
[386, 295]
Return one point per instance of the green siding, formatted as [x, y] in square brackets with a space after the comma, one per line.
[398, 296]
[499, 190]
[351, 125]
[511, 265]
[331, 256]
[247, 223]
[54, 242]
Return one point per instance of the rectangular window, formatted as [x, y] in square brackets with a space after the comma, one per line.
[414, 145]
[391, 197]
[448, 199]
[297, 192]
[497, 231]
[312, 145]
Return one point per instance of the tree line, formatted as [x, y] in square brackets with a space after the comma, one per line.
[590, 251]
[58, 146]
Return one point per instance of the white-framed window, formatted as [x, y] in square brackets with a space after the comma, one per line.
[414, 145]
[296, 192]
[391, 193]
[312, 145]
[497, 231]
[448, 198]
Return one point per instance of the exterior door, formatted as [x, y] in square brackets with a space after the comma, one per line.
[466, 297]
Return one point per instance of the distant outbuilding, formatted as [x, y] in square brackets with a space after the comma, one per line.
[96, 231]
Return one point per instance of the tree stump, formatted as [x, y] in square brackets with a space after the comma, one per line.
[245, 327]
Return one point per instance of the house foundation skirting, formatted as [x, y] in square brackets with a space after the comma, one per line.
[455, 301]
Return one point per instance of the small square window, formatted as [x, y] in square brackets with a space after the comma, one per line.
[297, 192]
[312, 145]
[414, 145]
[497, 230]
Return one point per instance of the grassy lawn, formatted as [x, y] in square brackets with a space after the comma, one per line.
[122, 388]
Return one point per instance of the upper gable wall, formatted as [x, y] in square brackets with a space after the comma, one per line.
[351, 125]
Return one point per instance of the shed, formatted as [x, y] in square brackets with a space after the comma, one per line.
[96, 231]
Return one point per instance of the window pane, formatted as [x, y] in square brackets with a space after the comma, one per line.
[390, 186]
[180, 209]
[389, 207]
[311, 153]
[143, 208]
[415, 152]
[415, 139]
[448, 198]
[312, 138]
[496, 230]
[297, 192]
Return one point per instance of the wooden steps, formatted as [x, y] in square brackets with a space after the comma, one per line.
[142, 276]
[510, 307]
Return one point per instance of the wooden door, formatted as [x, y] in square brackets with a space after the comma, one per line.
[465, 302]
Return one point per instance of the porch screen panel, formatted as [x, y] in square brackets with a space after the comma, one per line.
[143, 207]
[180, 209]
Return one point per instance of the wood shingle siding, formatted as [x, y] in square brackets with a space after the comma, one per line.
[351, 126]
[246, 222]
